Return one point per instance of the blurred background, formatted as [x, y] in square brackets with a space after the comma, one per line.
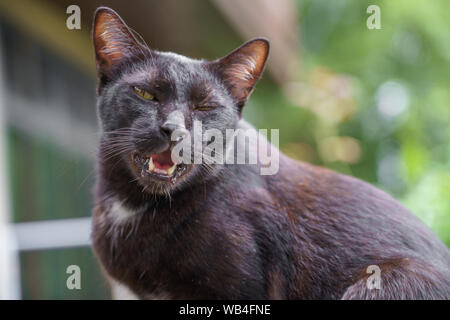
[370, 103]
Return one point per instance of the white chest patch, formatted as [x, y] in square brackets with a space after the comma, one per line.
[121, 292]
[119, 213]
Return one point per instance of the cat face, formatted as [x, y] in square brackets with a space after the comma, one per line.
[148, 101]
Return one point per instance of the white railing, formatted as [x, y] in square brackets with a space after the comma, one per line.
[36, 235]
[9, 267]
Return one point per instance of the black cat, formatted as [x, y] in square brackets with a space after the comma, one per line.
[165, 229]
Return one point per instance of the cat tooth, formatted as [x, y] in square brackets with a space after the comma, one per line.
[171, 169]
[151, 165]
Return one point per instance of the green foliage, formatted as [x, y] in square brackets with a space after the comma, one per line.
[399, 82]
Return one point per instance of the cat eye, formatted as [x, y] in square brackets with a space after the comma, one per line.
[204, 108]
[144, 94]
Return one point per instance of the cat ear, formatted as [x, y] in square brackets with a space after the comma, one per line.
[113, 40]
[242, 68]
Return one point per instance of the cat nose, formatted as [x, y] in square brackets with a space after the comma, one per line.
[174, 127]
[168, 128]
[174, 131]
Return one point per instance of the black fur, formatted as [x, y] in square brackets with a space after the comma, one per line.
[225, 231]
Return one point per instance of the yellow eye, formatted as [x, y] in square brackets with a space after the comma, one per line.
[204, 108]
[144, 94]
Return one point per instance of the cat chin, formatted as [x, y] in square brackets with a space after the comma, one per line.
[157, 187]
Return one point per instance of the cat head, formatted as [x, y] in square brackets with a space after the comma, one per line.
[146, 96]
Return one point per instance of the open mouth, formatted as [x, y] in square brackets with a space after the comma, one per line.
[158, 165]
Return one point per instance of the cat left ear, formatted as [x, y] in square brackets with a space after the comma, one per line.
[113, 40]
[241, 69]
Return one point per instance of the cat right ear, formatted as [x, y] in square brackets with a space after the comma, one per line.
[242, 68]
[113, 40]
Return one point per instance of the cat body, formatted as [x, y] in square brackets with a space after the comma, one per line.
[226, 231]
